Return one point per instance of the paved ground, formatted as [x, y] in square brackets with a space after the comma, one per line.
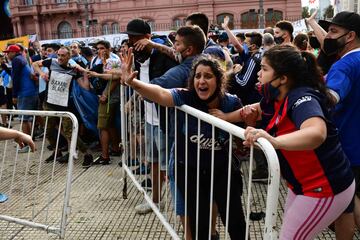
[98, 210]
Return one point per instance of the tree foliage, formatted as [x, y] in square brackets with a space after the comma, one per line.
[329, 12]
[305, 12]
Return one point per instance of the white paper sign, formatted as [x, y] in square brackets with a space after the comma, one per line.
[58, 91]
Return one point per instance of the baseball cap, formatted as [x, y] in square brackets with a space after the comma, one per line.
[223, 36]
[12, 48]
[347, 20]
[138, 27]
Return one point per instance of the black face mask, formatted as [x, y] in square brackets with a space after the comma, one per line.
[279, 40]
[314, 43]
[332, 46]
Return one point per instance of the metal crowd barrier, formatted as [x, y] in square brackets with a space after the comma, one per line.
[28, 180]
[132, 117]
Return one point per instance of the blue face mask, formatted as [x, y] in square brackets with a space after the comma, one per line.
[268, 91]
[52, 55]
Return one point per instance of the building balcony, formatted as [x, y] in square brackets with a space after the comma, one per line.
[60, 6]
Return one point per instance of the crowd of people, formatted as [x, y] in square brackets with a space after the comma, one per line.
[301, 93]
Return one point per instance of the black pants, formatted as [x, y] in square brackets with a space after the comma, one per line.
[236, 224]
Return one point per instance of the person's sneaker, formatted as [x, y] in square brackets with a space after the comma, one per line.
[260, 175]
[63, 159]
[146, 184]
[142, 170]
[51, 157]
[145, 208]
[25, 149]
[101, 160]
[88, 159]
[60, 148]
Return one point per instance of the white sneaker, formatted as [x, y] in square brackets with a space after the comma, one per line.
[145, 208]
[24, 149]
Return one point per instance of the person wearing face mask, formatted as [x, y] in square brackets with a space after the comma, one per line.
[343, 41]
[243, 82]
[243, 85]
[151, 64]
[206, 90]
[296, 120]
[283, 32]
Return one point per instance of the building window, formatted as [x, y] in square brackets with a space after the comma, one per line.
[272, 17]
[65, 30]
[28, 2]
[249, 20]
[220, 19]
[115, 28]
[178, 22]
[105, 29]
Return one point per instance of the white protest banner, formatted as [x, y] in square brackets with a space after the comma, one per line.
[58, 91]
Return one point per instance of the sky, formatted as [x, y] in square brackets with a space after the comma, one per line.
[306, 2]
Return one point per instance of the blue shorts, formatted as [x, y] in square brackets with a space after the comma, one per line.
[28, 103]
[153, 148]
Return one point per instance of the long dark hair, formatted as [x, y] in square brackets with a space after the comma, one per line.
[215, 66]
[301, 68]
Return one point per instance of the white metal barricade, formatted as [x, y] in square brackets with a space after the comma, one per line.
[31, 184]
[132, 117]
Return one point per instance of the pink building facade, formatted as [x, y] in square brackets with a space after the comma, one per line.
[54, 19]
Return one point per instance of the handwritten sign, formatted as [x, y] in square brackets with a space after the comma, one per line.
[58, 91]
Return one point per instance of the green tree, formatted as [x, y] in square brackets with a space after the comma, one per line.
[329, 12]
[305, 12]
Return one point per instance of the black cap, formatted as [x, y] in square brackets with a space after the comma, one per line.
[347, 20]
[138, 27]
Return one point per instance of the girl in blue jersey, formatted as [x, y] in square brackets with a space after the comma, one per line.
[206, 91]
[294, 113]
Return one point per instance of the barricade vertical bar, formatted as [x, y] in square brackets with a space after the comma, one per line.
[123, 138]
[166, 157]
[186, 169]
[249, 192]
[40, 164]
[175, 170]
[198, 179]
[228, 188]
[72, 149]
[212, 177]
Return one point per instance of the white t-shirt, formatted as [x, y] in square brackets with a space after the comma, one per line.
[151, 116]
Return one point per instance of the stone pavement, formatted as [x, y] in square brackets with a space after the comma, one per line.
[98, 210]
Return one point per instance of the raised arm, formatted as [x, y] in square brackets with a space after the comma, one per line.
[319, 32]
[151, 92]
[232, 37]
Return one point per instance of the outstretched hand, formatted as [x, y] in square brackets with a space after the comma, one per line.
[127, 60]
[225, 24]
[249, 115]
[23, 139]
